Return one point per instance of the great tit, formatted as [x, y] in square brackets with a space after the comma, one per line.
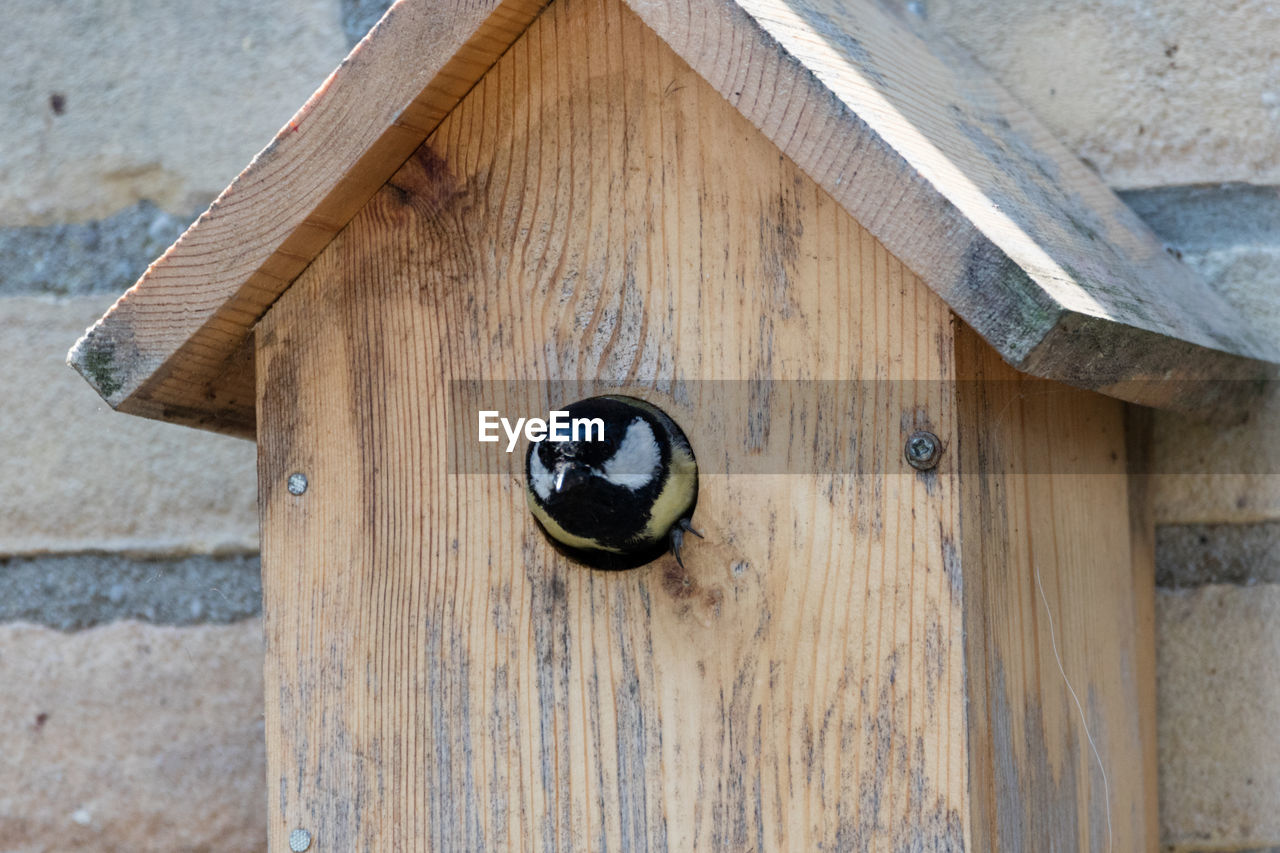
[614, 498]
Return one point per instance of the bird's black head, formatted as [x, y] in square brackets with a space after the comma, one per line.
[600, 485]
[615, 451]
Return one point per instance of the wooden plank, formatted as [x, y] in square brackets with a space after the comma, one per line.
[1047, 507]
[437, 675]
[163, 349]
[964, 185]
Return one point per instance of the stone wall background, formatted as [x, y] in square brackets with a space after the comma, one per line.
[130, 599]
[130, 641]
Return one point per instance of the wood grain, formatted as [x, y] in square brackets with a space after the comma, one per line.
[1046, 489]
[168, 349]
[438, 677]
[963, 184]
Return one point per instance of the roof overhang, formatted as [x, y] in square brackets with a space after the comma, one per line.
[907, 133]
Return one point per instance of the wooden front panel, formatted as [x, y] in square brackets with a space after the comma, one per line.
[437, 676]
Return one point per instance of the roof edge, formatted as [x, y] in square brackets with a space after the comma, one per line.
[907, 133]
[1149, 369]
[163, 349]
[968, 189]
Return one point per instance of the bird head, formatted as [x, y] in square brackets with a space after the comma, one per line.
[627, 456]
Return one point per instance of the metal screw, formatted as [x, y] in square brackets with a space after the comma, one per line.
[923, 450]
[297, 485]
[299, 839]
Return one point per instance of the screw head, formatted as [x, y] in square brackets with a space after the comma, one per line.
[297, 485]
[299, 839]
[923, 450]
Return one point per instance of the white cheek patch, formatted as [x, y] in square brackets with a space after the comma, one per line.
[638, 458]
[543, 481]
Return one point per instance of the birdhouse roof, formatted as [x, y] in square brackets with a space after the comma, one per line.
[904, 131]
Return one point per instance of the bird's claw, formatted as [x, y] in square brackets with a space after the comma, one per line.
[677, 537]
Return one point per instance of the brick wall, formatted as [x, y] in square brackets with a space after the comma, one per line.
[130, 647]
[130, 639]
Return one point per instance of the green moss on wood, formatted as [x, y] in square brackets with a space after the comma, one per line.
[98, 363]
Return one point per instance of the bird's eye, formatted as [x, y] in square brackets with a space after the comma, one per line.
[546, 451]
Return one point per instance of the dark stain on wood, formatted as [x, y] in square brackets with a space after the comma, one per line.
[951, 563]
[425, 187]
[1025, 788]
[690, 595]
[552, 631]
[781, 227]
[455, 811]
[281, 402]
[989, 275]
[639, 739]
[227, 398]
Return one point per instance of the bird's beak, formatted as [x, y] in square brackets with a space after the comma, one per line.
[568, 475]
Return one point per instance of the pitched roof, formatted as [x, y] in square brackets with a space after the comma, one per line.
[909, 135]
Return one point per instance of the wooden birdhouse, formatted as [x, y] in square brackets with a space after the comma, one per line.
[898, 324]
